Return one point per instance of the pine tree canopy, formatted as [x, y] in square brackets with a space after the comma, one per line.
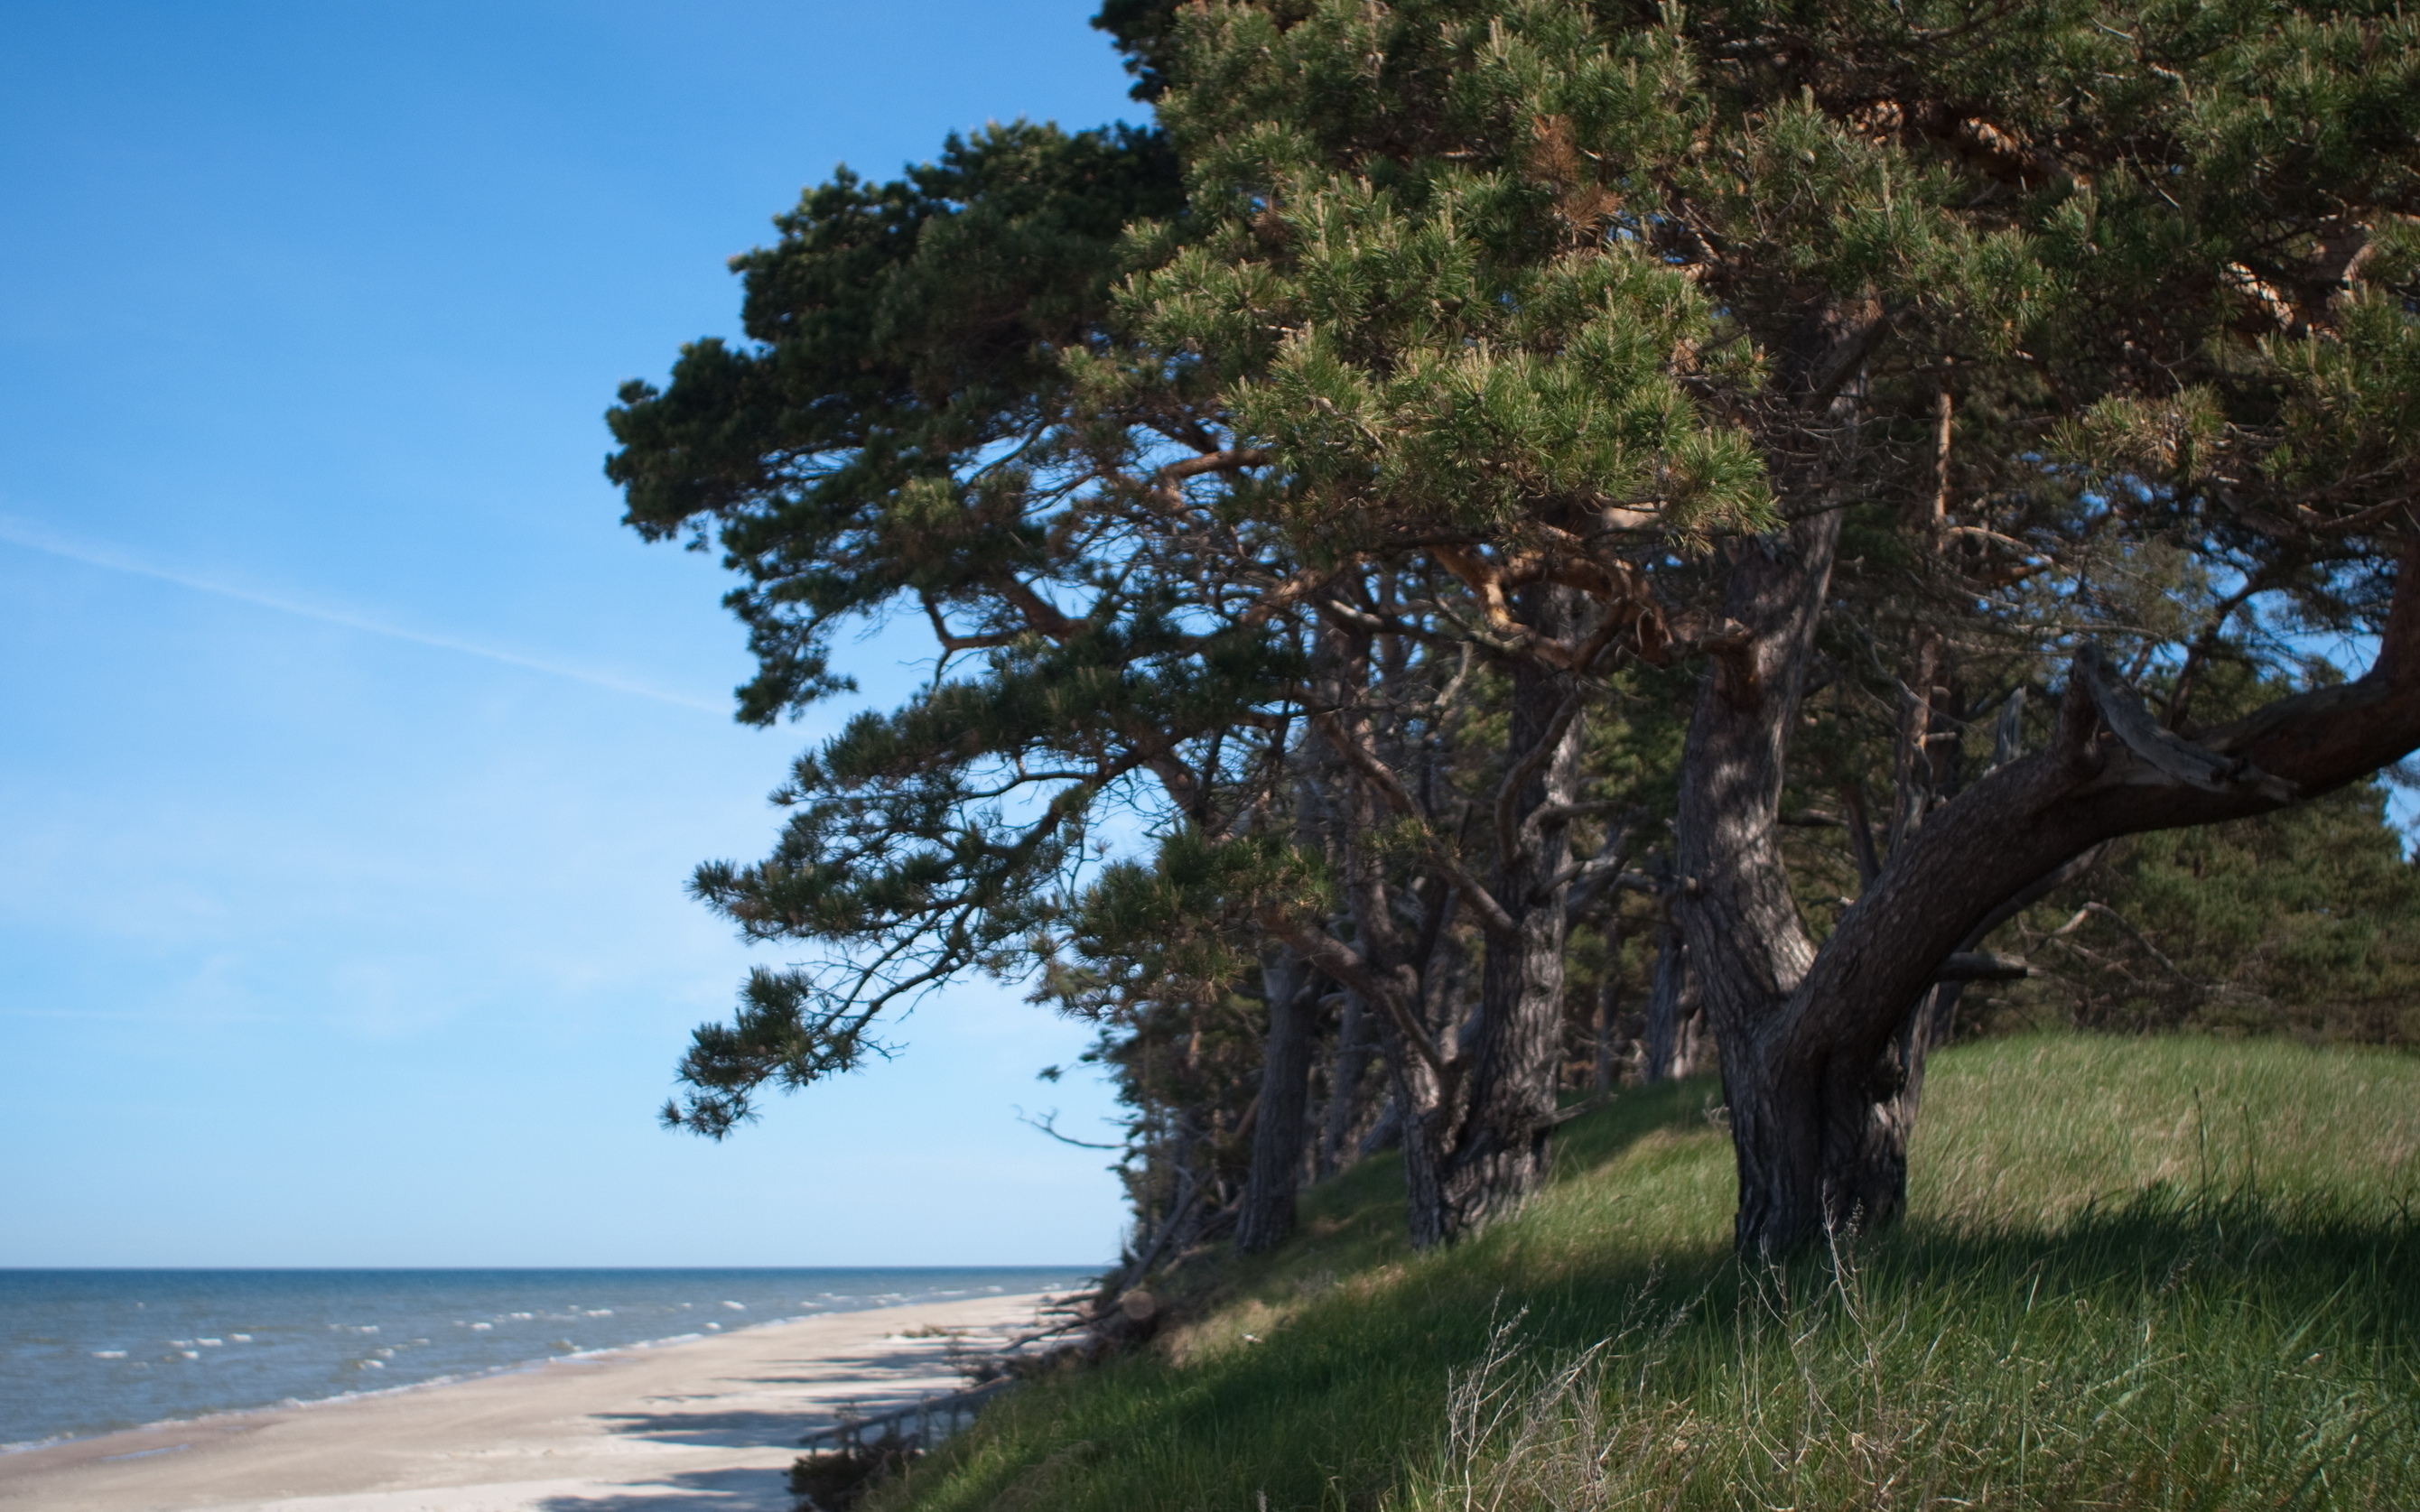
[1471, 468]
[1493, 254]
[895, 427]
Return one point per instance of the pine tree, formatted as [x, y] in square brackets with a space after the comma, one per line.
[1934, 380]
[2054, 286]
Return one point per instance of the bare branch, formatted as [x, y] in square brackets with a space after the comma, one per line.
[2165, 750]
[1343, 964]
[1491, 912]
[2139, 938]
[1508, 794]
[952, 642]
[1984, 965]
[1591, 879]
[1048, 1123]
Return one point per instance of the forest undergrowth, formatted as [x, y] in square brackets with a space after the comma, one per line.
[2162, 1272]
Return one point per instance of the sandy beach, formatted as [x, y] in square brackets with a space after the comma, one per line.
[709, 1423]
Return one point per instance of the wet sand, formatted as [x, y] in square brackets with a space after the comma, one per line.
[704, 1424]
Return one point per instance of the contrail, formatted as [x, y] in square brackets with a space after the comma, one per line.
[17, 532]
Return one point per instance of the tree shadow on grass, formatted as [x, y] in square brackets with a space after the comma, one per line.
[2354, 1272]
[1605, 1135]
[2240, 1294]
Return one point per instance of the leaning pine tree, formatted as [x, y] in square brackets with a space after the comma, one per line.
[899, 435]
[1463, 351]
[935, 413]
[2014, 287]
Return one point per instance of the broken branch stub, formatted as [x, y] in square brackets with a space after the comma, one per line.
[2165, 750]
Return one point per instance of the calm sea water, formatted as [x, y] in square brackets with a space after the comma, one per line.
[89, 1352]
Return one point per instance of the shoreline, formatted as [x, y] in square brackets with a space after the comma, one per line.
[305, 1404]
[300, 1404]
[975, 1284]
[705, 1419]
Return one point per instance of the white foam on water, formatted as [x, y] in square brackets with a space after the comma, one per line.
[286, 1357]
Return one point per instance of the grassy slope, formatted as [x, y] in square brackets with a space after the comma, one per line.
[2167, 1273]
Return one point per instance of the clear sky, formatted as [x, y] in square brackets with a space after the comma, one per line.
[355, 755]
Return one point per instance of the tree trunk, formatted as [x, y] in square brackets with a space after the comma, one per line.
[1499, 1155]
[1344, 1100]
[1822, 1055]
[1608, 1004]
[1266, 1218]
[1397, 979]
[1675, 1042]
[1733, 904]
[1420, 1122]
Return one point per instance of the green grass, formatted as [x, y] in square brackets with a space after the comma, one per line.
[2136, 1274]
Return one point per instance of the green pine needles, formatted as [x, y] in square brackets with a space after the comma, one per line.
[1485, 488]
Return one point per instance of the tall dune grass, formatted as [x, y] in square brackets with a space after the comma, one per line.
[2169, 1356]
[2135, 1274]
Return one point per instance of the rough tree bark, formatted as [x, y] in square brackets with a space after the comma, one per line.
[1733, 904]
[1816, 1045]
[1498, 1151]
[1673, 1045]
[1477, 1107]
[1388, 971]
[1267, 1216]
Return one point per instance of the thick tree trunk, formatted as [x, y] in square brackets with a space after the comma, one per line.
[1499, 1155]
[1820, 1132]
[1267, 1217]
[1422, 1118]
[1873, 1186]
[1397, 979]
[1823, 1054]
[1734, 907]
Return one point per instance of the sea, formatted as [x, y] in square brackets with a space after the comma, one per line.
[84, 1353]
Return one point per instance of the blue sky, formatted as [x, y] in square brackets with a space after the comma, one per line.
[354, 754]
